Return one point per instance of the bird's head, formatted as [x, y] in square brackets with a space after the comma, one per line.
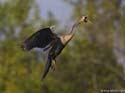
[84, 19]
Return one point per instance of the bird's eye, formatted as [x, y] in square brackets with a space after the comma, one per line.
[85, 17]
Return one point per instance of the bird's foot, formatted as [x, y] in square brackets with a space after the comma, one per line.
[53, 67]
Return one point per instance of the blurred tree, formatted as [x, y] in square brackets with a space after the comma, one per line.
[19, 71]
[91, 64]
[87, 65]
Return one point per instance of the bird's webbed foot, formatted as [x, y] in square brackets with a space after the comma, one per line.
[53, 66]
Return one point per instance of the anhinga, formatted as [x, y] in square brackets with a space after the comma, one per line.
[47, 39]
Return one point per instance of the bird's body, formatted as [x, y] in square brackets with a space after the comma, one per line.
[56, 44]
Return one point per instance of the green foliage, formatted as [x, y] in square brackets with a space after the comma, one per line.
[87, 65]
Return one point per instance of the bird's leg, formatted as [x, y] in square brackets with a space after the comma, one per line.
[53, 66]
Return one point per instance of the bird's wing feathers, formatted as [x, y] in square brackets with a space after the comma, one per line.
[39, 39]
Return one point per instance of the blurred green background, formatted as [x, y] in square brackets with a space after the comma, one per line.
[92, 61]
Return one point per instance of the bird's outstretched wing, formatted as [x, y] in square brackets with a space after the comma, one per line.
[39, 39]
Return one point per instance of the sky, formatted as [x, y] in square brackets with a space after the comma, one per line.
[59, 8]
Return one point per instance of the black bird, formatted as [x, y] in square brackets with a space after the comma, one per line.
[47, 39]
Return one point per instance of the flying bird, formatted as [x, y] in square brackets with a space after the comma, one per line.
[47, 39]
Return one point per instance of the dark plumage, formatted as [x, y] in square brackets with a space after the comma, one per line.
[53, 53]
[44, 38]
[40, 39]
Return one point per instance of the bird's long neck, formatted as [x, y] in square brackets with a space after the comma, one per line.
[66, 38]
[73, 30]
